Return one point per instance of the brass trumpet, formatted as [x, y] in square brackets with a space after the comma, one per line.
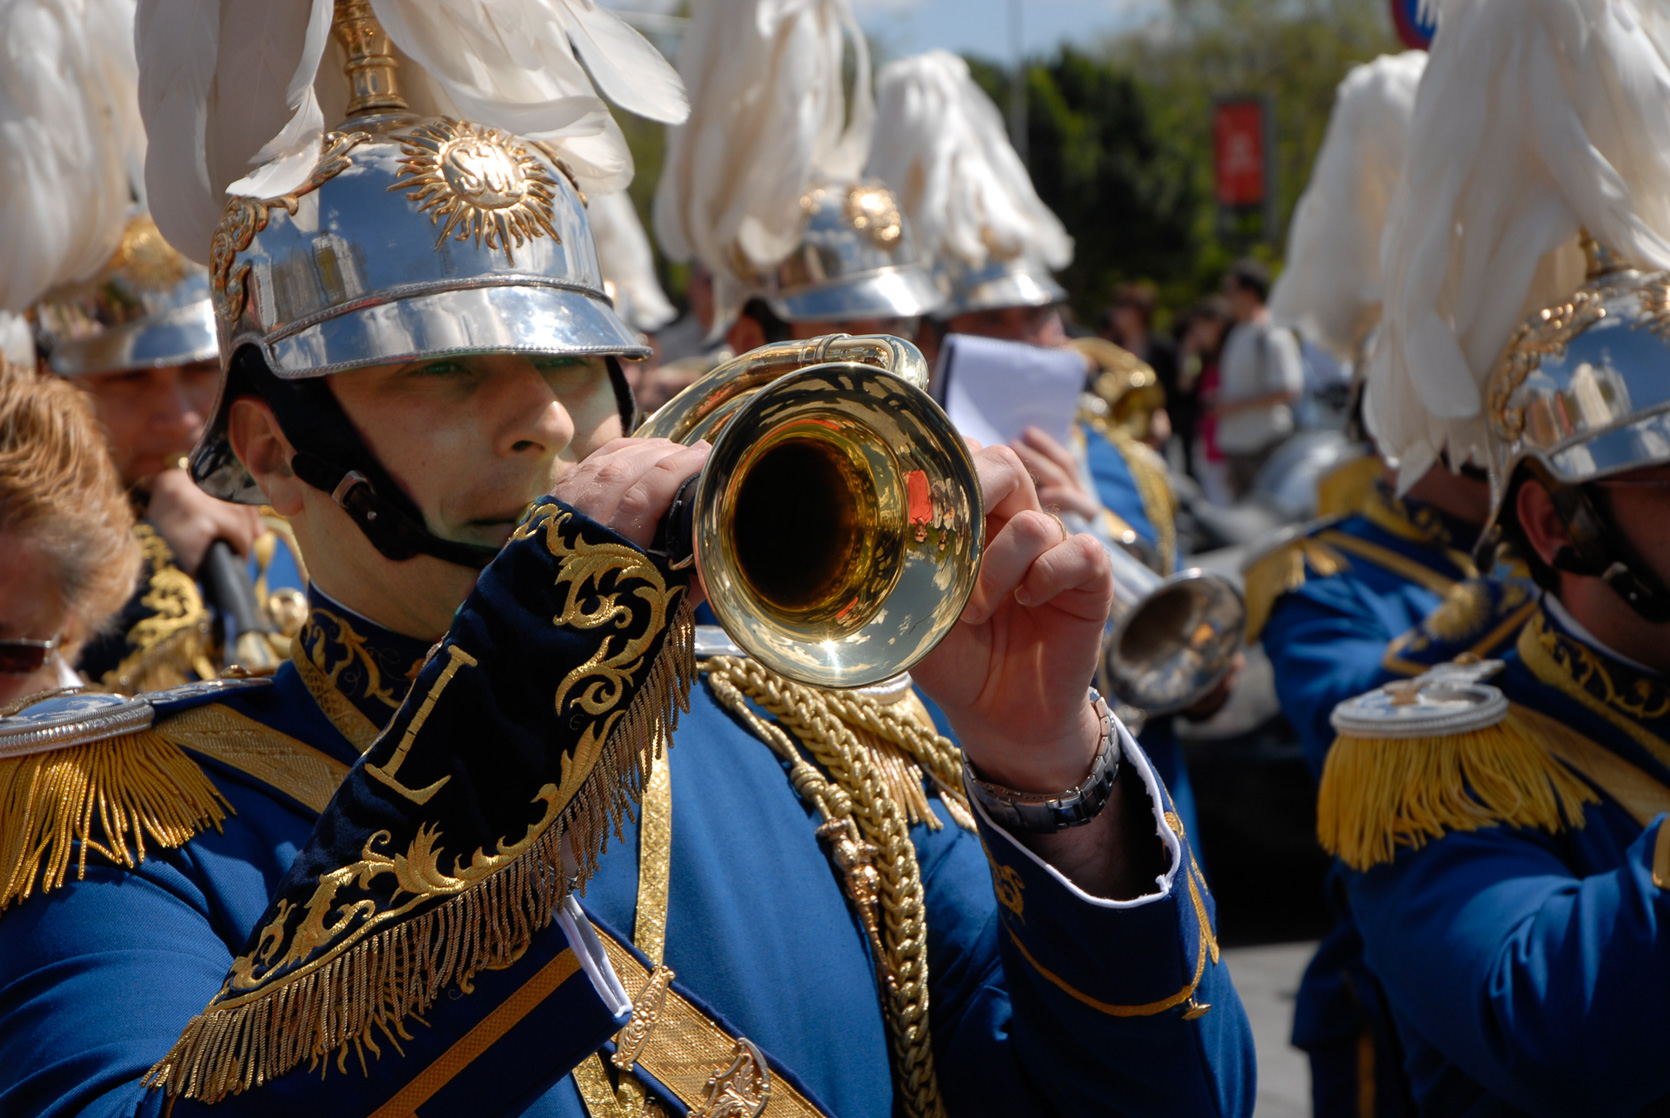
[837, 526]
[1125, 392]
[1173, 639]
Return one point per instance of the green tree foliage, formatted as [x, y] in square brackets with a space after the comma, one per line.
[1120, 138]
[1099, 164]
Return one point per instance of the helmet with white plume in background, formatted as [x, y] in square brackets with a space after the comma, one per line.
[1527, 267]
[941, 146]
[83, 260]
[762, 187]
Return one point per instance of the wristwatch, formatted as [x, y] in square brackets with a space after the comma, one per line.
[1042, 814]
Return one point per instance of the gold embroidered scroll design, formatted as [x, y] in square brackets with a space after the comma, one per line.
[244, 217]
[171, 644]
[1641, 698]
[328, 978]
[741, 1090]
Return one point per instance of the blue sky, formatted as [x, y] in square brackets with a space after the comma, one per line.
[980, 27]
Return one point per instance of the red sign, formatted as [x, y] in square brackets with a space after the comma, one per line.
[1238, 147]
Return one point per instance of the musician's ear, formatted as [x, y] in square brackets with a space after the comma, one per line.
[260, 445]
[1540, 523]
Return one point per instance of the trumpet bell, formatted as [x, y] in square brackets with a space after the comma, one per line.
[1174, 643]
[837, 527]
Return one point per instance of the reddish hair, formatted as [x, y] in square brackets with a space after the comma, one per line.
[59, 490]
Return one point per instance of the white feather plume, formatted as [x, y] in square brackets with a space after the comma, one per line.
[1330, 287]
[770, 118]
[70, 141]
[941, 147]
[17, 342]
[628, 263]
[236, 95]
[1536, 119]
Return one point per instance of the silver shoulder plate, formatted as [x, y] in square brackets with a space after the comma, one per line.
[71, 717]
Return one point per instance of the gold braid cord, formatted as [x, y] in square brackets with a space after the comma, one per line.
[859, 741]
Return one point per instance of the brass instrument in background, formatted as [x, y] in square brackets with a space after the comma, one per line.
[837, 526]
[1173, 639]
[1125, 392]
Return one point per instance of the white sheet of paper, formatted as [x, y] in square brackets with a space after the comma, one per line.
[993, 390]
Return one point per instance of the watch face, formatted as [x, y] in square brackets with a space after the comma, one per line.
[73, 717]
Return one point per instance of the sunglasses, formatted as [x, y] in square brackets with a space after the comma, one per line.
[20, 656]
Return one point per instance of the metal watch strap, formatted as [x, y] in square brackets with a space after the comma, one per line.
[1042, 814]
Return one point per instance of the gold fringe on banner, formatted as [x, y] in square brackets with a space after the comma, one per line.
[1379, 794]
[1283, 571]
[106, 798]
[363, 990]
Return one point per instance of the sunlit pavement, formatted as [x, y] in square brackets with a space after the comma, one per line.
[1267, 978]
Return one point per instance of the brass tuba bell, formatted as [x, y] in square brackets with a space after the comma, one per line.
[837, 526]
[1172, 639]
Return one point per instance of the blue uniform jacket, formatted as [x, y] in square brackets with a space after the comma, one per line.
[1338, 596]
[1381, 594]
[1043, 999]
[1525, 964]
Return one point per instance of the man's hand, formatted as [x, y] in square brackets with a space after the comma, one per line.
[1056, 475]
[628, 484]
[190, 520]
[1014, 678]
[1014, 674]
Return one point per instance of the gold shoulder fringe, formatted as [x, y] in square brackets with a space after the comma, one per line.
[1380, 794]
[106, 798]
[340, 1005]
[1282, 571]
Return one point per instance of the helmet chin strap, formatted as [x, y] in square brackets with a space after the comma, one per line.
[1599, 549]
[333, 458]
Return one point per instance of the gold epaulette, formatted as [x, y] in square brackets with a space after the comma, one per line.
[84, 773]
[1418, 759]
[1344, 489]
[1282, 566]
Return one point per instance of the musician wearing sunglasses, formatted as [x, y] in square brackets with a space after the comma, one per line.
[66, 556]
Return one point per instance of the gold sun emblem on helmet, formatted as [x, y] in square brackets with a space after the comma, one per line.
[477, 184]
[872, 210]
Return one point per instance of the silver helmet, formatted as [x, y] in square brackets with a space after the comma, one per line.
[1583, 388]
[995, 284]
[412, 237]
[855, 260]
[148, 308]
